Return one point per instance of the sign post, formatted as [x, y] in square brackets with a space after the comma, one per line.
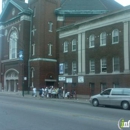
[21, 59]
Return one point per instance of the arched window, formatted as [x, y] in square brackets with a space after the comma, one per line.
[74, 45]
[13, 45]
[91, 41]
[103, 39]
[115, 36]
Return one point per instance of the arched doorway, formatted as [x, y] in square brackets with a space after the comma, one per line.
[11, 80]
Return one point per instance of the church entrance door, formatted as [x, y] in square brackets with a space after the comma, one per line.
[11, 80]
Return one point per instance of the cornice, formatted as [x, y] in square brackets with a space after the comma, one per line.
[94, 23]
[25, 17]
[9, 60]
[43, 59]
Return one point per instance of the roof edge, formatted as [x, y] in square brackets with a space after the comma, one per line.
[63, 12]
[6, 6]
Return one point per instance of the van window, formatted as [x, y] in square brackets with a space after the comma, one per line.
[106, 92]
[126, 92]
[117, 92]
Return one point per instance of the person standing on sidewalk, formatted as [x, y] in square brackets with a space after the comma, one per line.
[74, 94]
[34, 92]
[43, 92]
[59, 93]
[49, 91]
[63, 91]
[40, 92]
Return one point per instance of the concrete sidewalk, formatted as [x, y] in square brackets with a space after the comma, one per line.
[80, 98]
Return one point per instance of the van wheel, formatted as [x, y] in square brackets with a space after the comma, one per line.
[125, 105]
[95, 102]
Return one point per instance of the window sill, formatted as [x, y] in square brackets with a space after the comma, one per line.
[116, 72]
[103, 45]
[92, 73]
[65, 74]
[50, 30]
[115, 42]
[91, 46]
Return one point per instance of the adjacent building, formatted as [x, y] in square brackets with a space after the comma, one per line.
[94, 54]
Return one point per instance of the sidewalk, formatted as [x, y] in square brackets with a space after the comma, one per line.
[80, 98]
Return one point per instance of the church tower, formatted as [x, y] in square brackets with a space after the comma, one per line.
[5, 1]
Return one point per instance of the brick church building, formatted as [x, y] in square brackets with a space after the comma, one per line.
[30, 47]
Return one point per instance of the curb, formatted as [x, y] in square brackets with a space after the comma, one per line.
[84, 101]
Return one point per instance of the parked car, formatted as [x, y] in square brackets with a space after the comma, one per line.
[112, 97]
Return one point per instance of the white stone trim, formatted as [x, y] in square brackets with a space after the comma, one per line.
[9, 60]
[126, 46]
[43, 59]
[9, 79]
[96, 23]
[25, 17]
[10, 24]
[79, 54]
[83, 53]
[60, 18]
[13, 28]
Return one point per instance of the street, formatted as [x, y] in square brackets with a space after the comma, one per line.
[21, 113]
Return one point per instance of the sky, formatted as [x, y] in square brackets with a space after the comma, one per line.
[123, 2]
[1, 4]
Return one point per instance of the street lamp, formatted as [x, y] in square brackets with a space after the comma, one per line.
[1, 35]
[25, 78]
[21, 59]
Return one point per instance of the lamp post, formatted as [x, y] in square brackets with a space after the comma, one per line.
[23, 79]
[1, 88]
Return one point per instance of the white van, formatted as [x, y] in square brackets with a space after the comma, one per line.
[112, 97]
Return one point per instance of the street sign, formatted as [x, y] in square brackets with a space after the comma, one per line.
[21, 55]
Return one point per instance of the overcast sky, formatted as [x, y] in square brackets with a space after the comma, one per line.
[123, 2]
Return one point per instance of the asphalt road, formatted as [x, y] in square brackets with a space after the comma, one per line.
[18, 113]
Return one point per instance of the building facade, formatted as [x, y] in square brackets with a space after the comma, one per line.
[94, 53]
[29, 40]
[15, 37]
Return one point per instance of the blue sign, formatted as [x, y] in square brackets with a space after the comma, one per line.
[61, 68]
[21, 55]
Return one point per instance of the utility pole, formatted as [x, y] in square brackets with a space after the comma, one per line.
[21, 59]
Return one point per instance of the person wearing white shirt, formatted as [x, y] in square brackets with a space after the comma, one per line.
[34, 92]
